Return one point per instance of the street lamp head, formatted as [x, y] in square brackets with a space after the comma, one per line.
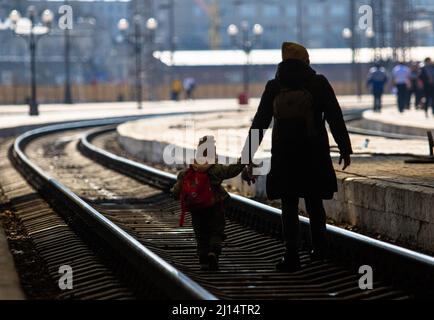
[23, 26]
[258, 29]
[123, 24]
[47, 17]
[347, 33]
[369, 33]
[232, 30]
[40, 30]
[31, 11]
[14, 16]
[151, 24]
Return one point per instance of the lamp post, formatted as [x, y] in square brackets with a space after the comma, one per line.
[370, 35]
[32, 31]
[137, 40]
[347, 34]
[246, 43]
[67, 50]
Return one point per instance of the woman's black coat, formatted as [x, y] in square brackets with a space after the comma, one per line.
[299, 168]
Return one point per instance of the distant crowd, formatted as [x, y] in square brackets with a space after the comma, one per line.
[409, 80]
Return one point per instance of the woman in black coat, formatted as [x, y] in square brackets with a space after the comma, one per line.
[300, 167]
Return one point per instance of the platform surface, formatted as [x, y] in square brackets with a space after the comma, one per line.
[410, 122]
[411, 118]
[230, 130]
[10, 288]
[17, 115]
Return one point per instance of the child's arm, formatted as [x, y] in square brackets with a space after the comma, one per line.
[223, 172]
[176, 189]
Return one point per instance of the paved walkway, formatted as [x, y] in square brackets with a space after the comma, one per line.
[231, 128]
[14, 116]
[17, 115]
[411, 122]
[410, 118]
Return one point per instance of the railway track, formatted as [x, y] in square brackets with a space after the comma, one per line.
[132, 219]
[56, 245]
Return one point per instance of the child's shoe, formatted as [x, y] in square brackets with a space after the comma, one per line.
[204, 262]
[204, 266]
[213, 261]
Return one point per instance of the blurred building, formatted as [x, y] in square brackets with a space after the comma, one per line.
[99, 56]
[315, 23]
[94, 49]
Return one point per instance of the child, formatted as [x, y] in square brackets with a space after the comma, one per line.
[200, 191]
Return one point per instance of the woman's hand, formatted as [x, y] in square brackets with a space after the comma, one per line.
[347, 160]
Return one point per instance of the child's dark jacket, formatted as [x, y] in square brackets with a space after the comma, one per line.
[217, 174]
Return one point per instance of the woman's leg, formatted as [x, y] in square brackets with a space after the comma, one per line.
[200, 227]
[216, 227]
[317, 216]
[290, 225]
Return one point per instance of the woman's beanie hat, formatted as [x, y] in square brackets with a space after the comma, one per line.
[291, 50]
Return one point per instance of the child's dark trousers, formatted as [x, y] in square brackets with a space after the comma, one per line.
[209, 225]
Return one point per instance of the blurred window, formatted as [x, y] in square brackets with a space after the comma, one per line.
[197, 12]
[338, 10]
[270, 10]
[316, 29]
[291, 11]
[247, 10]
[316, 10]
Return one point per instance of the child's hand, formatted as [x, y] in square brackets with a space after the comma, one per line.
[247, 175]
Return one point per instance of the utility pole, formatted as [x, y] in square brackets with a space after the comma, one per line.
[138, 54]
[171, 12]
[400, 13]
[68, 93]
[379, 40]
[356, 72]
[34, 102]
[215, 23]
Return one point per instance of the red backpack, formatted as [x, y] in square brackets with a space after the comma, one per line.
[196, 192]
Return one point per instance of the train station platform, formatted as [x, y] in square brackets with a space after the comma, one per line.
[13, 116]
[379, 193]
[411, 122]
[10, 288]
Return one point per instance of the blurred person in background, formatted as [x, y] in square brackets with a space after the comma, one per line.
[415, 86]
[176, 89]
[189, 87]
[401, 80]
[377, 79]
[427, 78]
